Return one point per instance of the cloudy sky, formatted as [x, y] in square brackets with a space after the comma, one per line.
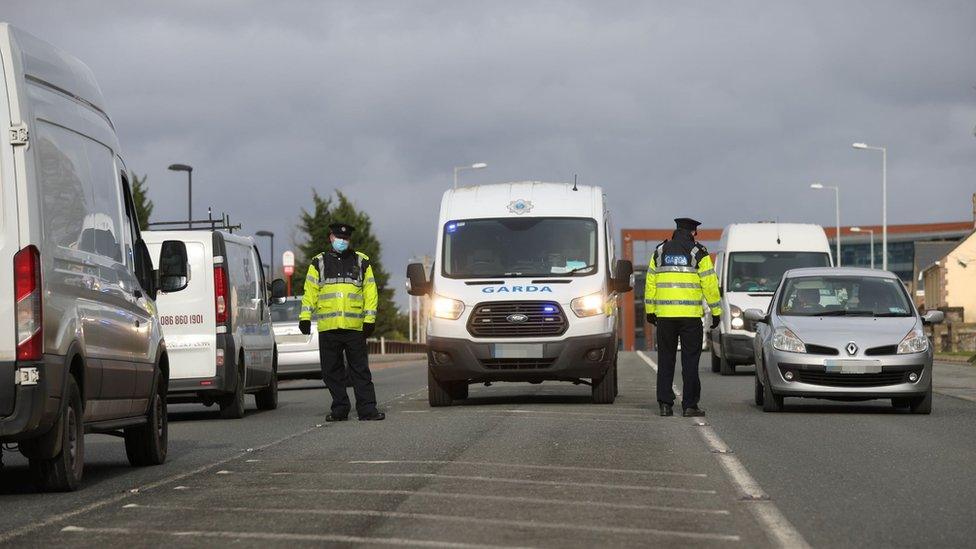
[724, 111]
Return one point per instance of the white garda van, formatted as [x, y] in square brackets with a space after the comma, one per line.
[524, 288]
[750, 261]
[81, 349]
[218, 330]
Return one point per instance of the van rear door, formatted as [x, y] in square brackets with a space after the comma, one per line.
[9, 236]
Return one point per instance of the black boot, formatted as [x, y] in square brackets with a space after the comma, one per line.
[693, 412]
[377, 416]
[666, 409]
[331, 418]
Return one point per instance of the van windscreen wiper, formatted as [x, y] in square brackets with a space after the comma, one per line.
[583, 268]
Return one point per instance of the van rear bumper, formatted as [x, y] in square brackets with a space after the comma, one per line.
[566, 360]
[35, 407]
[195, 389]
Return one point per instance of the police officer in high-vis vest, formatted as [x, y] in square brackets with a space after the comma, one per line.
[679, 276]
[340, 294]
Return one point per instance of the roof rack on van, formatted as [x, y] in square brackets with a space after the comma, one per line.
[209, 224]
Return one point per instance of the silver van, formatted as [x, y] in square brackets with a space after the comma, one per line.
[81, 348]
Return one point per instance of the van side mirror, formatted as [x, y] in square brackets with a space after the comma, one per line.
[144, 269]
[278, 290]
[623, 279]
[753, 317]
[174, 268]
[417, 283]
[933, 317]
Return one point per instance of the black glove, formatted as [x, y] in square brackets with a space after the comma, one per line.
[368, 329]
[652, 319]
[305, 326]
[715, 320]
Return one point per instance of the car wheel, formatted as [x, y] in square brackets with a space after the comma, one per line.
[437, 392]
[147, 444]
[232, 405]
[922, 404]
[758, 390]
[716, 362]
[725, 367]
[62, 473]
[267, 398]
[771, 401]
[603, 388]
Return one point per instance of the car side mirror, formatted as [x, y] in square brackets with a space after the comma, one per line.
[933, 317]
[623, 276]
[174, 268]
[278, 290]
[417, 283]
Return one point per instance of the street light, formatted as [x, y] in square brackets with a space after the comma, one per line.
[475, 166]
[837, 210]
[860, 230]
[884, 199]
[271, 236]
[189, 188]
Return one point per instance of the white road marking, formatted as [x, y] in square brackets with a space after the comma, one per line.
[38, 524]
[779, 530]
[503, 480]
[511, 499]
[453, 518]
[527, 466]
[319, 538]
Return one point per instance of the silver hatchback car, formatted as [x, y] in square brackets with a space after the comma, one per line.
[842, 334]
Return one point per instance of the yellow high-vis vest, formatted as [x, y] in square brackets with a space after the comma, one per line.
[340, 292]
[679, 279]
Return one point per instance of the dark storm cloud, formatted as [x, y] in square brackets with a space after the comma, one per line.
[721, 111]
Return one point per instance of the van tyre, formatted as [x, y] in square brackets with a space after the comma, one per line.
[267, 398]
[146, 444]
[922, 404]
[438, 393]
[459, 390]
[232, 405]
[716, 363]
[604, 389]
[725, 367]
[771, 401]
[62, 473]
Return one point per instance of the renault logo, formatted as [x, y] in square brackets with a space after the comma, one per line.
[852, 348]
[517, 318]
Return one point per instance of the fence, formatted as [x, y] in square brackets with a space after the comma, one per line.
[380, 346]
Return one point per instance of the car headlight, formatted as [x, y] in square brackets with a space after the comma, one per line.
[445, 307]
[588, 305]
[914, 342]
[737, 321]
[785, 340]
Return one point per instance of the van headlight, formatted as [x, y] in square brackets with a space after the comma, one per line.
[445, 307]
[588, 305]
[737, 322]
[785, 340]
[914, 342]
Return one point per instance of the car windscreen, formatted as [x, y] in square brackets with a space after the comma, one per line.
[520, 247]
[762, 271]
[287, 311]
[844, 296]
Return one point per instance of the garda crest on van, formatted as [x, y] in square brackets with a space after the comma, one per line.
[519, 207]
[516, 289]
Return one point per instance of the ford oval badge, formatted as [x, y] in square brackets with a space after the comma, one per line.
[517, 318]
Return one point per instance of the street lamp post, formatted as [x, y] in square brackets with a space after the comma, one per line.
[270, 235]
[884, 199]
[871, 231]
[836, 210]
[189, 188]
[476, 166]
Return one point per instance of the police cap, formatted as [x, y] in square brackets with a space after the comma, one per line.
[341, 230]
[687, 223]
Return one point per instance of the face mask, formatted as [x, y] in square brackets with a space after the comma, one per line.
[340, 245]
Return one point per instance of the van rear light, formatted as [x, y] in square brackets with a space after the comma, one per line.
[220, 294]
[27, 299]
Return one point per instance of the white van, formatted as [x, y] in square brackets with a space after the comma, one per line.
[524, 288]
[81, 349]
[218, 330]
[750, 261]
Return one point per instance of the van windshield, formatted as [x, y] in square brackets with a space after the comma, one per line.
[762, 271]
[520, 247]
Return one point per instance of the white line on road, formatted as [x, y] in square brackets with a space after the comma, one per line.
[508, 499]
[449, 518]
[503, 480]
[266, 536]
[527, 466]
[779, 530]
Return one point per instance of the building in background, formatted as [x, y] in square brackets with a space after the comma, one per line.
[926, 254]
[948, 282]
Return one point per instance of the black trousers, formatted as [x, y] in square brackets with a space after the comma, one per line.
[332, 344]
[669, 331]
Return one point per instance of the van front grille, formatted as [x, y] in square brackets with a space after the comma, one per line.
[517, 363]
[517, 319]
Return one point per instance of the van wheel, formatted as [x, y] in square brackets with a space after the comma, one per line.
[922, 404]
[438, 393]
[62, 473]
[459, 390]
[603, 388]
[716, 363]
[616, 379]
[267, 398]
[771, 401]
[725, 367]
[146, 444]
[758, 390]
[232, 405]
